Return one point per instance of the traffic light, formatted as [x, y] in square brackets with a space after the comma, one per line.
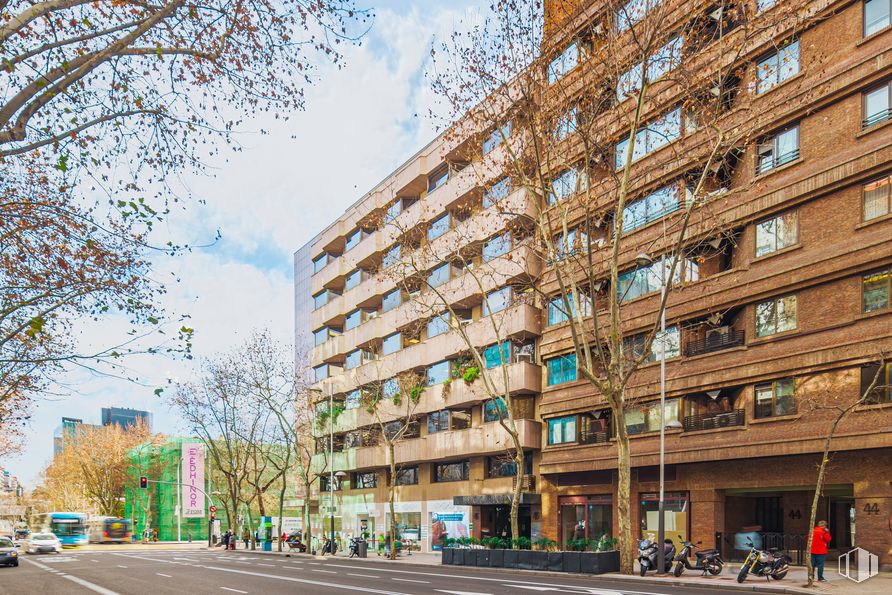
[144, 482]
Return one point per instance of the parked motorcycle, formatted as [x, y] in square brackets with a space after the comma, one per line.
[648, 555]
[354, 546]
[329, 547]
[707, 560]
[772, 564]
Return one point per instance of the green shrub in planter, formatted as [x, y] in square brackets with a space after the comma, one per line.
[543, 543]
[523, 543]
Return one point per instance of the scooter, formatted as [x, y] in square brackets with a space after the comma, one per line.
[329, 547]
[771, 564]
[648, 555]
[354, 546]
[707, 560]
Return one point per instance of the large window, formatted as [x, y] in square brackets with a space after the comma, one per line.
[632, 12]
[457, 471]
[393, 211]
[320, 262]
[496, 246]
[438, 325]
[648, 279]
[877, 198]
[407, 476]
[439, 275]
[575, 242]
[353, 279]
[778, 150]
[321, 298]
[648, 139]
[356, 358]
[585, 517]
[363, 481]
[882, 388]
[774, 316]
[877, 15]
[561, 369]
[495, 357]
[564, 185]
[496, 301]
[354, 238]
[659, 63]
[564, 62]
[353, 399]
[496, 192]
[876, 105]
[654, 206]
[320, 372]
[441, 421]
[439, 177]
[566, 123]
[557, 310]
[353, 320]
[495, 137]
[438, 373]
[775, 398]
[645, 417]
[322, 335]
[562, 430]
[391, 300]
[777, 233]
[494, 410]
[504, 466]
[438, 227]
[876, 290]
[676, 514]
[778, 67]
[765, 4]
[390, 388]
[391, 257]
[668, 344]
[392, 343]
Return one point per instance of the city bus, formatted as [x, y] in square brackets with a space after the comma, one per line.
[69, 527]
[109, 529]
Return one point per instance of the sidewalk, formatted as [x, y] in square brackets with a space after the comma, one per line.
[138, 545]
[793, 583]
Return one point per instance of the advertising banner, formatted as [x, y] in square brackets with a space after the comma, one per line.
[193, 476]
[447, 524]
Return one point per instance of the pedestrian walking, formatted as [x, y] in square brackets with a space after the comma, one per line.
[246, 536]
[819, 542]
[226, 540]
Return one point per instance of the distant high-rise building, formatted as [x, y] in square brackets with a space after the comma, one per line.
[125, 417]
[66, 430]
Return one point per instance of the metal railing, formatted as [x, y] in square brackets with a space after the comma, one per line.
[876, 118]
[792, 544]
[715, 341]
[727, 419]
[766, 164]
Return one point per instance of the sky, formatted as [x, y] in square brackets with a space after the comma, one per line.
[268, 200]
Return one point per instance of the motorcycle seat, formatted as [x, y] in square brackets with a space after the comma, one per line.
[704, 553]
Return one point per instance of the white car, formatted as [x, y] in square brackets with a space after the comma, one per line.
[40, 543]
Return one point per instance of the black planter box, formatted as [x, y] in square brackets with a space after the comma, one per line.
[511, 558]
[448, 555]
[571, 562]
[497, 558]
[483, 558]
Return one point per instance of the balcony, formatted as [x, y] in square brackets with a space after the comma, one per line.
[715, 340]
[486, 439]
[328, 351]
[728, 419]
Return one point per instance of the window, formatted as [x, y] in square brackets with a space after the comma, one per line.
[363, 481]
[564, 185]
[320, 336]
[353, 399]
[876, 290]
[557, 312]
[576, 242]
[438, 227]
[325, 485]
[409, 430]
[438, 421]
[391, 257]
[496, 246]
[438, 177]
[496, 192]
[390, 388]
[393, 211]
[495, 357]
[392, 343]
[876, 105]
[654, 206]
[648, 139]
[632, 12]
[353, 279]
[765, 4]
[562, 430]
[352, 240]
[882, 390]
[391, 300]
[777, 151]
[460, 419]
[876, 15]
[777, 67]
[877, 199]
[670, 344]
[319, 262]
[438, 325]
[645, 417]
[506, 467]
[439, 275]
[320, 372]
[648, 279]
[561, 369]
[457, 471]
[776, 316]
[354, 359]
[320, 299]
[496, 136]
[659, 63]
[777, 233]
[494, 409]
[496, 301]
[438, 373]
[407, 476]
[564, 62]
[775, 398]
[565, 125]
[353, 320]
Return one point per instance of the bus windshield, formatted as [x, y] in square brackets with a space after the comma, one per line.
[62, 527]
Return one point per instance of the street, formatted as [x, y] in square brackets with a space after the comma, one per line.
[203, 572]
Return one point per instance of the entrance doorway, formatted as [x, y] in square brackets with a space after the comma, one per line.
[585, 517]
[496, 521]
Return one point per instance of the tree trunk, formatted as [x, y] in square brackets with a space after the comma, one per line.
[307, 536]
[518, 488]
[391, 497]
[822, 469]
[624, 499]
[281, 510]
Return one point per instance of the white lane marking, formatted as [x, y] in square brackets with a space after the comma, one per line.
[362, 575]
[88, 585]
[462, 592]
[233, 590]
[315, 563]
[305, 581]
[410, 580]
[262, 564]
[119, 566]
[91, 560]
[164, 575]
[325, 571]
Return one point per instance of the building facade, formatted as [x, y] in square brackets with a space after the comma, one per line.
[797, 307]
[125, 417]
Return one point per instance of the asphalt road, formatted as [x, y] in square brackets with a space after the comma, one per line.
[203, 572]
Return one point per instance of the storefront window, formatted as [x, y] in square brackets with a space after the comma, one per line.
[675, 513]
[586, 518]
[447, 524]
[408, 528]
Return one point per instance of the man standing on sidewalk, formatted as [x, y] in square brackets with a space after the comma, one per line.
[820, 541]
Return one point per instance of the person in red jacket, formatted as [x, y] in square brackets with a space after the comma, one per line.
[819, 542]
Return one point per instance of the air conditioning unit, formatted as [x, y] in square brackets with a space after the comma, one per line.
[523, 357]
[716, 15]
[717, 335]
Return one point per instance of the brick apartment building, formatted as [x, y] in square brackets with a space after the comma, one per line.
[800, 308]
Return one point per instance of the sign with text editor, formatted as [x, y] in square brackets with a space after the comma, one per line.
[192, 477]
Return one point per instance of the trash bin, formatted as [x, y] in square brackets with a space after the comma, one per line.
[363, 549]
